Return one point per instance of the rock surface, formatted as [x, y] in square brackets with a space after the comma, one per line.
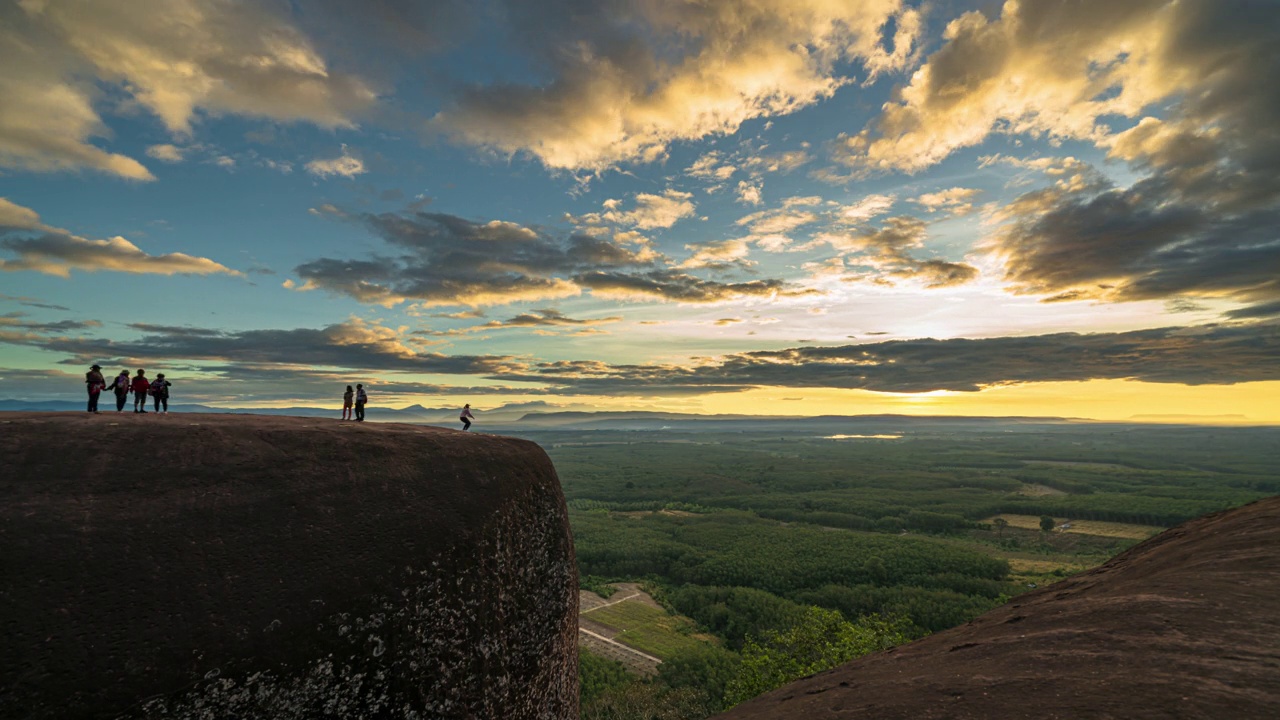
[245, 566]
[1184, 625]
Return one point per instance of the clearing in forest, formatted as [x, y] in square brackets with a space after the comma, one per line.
[1100, 528]
[632, 628]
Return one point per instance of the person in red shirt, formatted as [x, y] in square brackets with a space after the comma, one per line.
[140, 386]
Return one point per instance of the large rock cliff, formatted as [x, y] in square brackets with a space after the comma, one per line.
[1184, 625]
[243, 566]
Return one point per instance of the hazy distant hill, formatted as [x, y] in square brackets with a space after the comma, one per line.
[519, 416]
[835, 424]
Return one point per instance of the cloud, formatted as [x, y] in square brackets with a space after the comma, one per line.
[953, 201]
[166, 153]
[1040, 68]
[447, 260]
[1212, 354]
[1194, 126]
[773, 229]
[53, 251]
[354, 344]
[675, 286]
[177, 59]
[749, 193]
[760, 164]
[625, 79]
[886, 250]
[19, 321]
[344, 165]
[711, 167]
[1216, 354]
[720, 255]
[868, 208]
[30, 301]
[546, 318]
[651, 211]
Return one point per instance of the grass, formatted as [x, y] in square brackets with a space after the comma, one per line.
[649, 629]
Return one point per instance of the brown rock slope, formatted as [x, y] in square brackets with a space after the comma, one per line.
[1185, 625]
[258, 567]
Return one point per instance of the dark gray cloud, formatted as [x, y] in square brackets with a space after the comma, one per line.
[546, 318]
[1203, 219]
[33, 302]
[352, 344]
[447, 260]
[319, 358]
[20, 321]
[888, 248]
[1266, 310]
[681, 287]
[1219, 354]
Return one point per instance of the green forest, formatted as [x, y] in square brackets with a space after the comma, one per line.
[795, 552]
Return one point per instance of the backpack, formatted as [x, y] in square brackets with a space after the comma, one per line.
[158, 388]
[121, 384]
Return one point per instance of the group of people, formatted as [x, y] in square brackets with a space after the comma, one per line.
[356, 400]
[359, 397]
[123, 384]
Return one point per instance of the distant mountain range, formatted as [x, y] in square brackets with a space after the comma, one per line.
[542, 416]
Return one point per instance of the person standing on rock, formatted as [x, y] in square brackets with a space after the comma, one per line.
[361, 399]
[95, 383]
[466, 417]
[160, 393]
[140, 387]
[121, 388]
[347, 399]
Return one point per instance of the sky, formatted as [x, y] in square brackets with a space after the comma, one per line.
[780, 207]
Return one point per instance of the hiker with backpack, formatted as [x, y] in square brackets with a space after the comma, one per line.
[95, 383]
[160, 393]
[347, 399]
[121, 388]
[140, 387]
[361, 399]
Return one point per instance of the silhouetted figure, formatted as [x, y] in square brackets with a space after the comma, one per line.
[348, 398]
[140, 387]
[160, 393]
[121, 388]
[361, 399]
[466, 417]
[95, 384]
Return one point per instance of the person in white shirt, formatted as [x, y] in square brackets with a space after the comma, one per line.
[466, 417]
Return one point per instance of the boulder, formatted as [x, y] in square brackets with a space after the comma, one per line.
[268, 567]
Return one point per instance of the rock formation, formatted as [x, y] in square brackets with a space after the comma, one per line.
[242, 566]
[1184, 625]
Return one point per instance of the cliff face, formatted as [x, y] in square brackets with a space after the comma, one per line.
[1185, 625]
[246, 566]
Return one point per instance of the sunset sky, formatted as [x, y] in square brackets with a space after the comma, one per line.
[791, 207]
